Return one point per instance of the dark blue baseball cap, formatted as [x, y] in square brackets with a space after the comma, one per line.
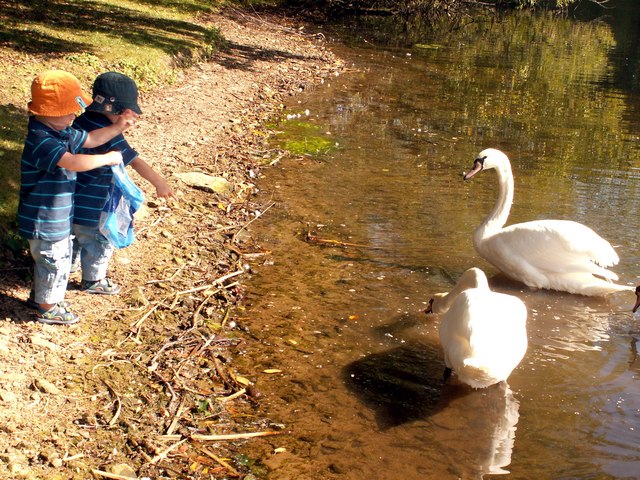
[114, 92]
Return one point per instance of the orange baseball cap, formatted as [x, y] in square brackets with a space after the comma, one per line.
[56, 93]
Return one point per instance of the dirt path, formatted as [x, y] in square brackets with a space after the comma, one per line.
[140, 385]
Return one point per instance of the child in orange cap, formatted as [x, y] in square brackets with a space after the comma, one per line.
[113, 94]
[49, 163]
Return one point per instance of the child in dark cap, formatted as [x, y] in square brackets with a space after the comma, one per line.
[52, 155]
[113, 94]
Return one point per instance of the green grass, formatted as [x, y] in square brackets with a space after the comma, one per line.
[149, 40]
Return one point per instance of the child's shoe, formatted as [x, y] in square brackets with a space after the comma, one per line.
[103, 287]
[57, 315]
[31, 303]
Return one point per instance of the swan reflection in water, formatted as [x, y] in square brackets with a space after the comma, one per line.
[404, 388]
[504, 435]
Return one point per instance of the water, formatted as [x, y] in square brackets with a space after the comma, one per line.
[360, 390]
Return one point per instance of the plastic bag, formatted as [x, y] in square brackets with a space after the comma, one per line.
[125, 198]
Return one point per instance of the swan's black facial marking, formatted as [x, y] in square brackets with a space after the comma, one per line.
[478, 166]
[635, 307]
[429, 309]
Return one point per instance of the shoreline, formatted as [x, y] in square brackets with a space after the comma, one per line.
[125, 390]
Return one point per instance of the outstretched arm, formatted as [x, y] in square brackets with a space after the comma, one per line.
[122, 122]
[163, 190]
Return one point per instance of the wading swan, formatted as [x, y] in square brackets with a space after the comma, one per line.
[554, 254]
[483, 333]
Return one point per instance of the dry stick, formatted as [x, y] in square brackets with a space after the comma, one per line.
[72, 457]
[153, 224]
[160, 280]
[109, 475]
[230, 436]
[219, 460]
[324, 241]
[194, 320]
[227, 312]
[176, 417]
[233, 239]
[232, 396]
[217, 280]
[196, 350]
[163, 455]
[118, 402]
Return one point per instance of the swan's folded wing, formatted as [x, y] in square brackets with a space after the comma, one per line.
[556, 246]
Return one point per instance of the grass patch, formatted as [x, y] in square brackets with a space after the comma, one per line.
[148, 40]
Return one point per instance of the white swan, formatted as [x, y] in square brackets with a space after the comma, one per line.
[483, 333]
[553, 254]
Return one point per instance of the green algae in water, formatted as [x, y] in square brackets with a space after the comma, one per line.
[309, 146]
[304, 138]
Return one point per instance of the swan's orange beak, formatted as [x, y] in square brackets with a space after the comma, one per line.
[477, 167]
[635, 307]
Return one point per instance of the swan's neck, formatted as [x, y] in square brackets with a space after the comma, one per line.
[472, 278]
[500, 213]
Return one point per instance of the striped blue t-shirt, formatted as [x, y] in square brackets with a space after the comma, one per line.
[45, 209]
[93, 186]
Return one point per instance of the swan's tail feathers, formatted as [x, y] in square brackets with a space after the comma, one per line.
[607, 275]
[474, 362]
[481, 376]
[596, 286]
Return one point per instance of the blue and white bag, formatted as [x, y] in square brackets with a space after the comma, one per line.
[125, 198]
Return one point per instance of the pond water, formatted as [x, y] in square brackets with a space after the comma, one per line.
[359, 388]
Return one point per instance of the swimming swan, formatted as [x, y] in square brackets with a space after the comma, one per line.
[483, 333]
[553, 254]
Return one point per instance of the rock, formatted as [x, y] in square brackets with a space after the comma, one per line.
[46, 386]
[123, 470]
[206, 182]
[42, 342]
[7, 396]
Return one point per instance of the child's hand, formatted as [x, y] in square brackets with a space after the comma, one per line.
[163, 190]
[126, 119]
[113, 157]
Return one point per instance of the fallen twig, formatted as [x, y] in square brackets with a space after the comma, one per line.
[233, 239]
[231, 436]
[176, 417]
[311, 238]
[232, 396]
[163, 455]
[212, 455]
[114, 419]
[109, 475]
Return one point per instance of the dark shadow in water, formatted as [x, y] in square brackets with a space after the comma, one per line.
[403, 384]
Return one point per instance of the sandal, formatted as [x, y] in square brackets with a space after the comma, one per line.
[31, 303]
[103, 287]
[57, 315]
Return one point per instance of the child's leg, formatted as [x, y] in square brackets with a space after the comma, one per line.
[52, 261]
[51, 270]
[75, 257]
[95, 253]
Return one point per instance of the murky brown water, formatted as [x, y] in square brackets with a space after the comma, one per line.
[360, 388]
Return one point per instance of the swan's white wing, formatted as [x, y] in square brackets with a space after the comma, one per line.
[484, 336]
[497, 331]
[549, 246]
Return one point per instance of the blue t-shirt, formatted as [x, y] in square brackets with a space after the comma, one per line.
[45, 209]
[92, 187]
